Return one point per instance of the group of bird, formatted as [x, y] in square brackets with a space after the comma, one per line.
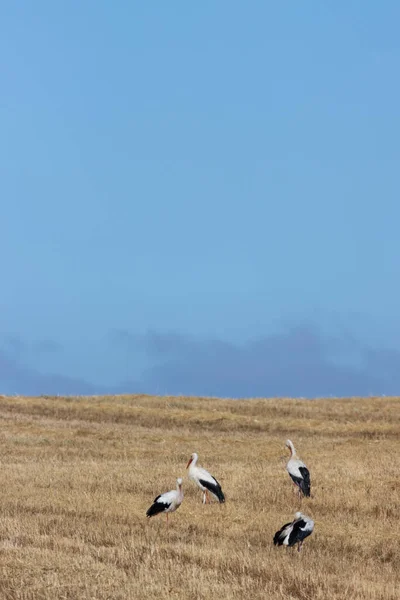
[289, 534]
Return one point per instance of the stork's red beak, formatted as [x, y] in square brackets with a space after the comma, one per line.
[187, 466]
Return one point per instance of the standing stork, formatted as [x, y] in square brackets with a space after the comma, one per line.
[298, 471]
[294, 532]
[167, 502]
[206, 482]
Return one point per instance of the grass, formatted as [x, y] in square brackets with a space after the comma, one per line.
[77, 475]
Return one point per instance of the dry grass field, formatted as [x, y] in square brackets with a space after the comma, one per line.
[77, 475]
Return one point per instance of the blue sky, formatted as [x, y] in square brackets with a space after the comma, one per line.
[200, 199]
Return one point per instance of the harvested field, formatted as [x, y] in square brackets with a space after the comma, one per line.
[77, 475]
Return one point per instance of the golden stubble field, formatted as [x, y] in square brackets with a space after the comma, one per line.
[77, 475]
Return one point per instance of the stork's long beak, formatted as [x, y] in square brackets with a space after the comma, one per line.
[187, 466]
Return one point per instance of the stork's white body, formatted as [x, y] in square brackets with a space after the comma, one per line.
[167, 502]
[293, 467]
[298, 471]
[204, 480]
[171, 500]
[295, 532]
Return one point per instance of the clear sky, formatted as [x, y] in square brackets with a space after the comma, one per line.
[200, 198]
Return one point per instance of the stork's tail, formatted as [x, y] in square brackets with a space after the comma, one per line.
[280, 535]
[305, 482]
[215, 488]
[305, 487]
[220, 495]
[277, 539]
[155, 509]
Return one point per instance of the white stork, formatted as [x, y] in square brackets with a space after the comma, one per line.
[167, 502]
[298, 471]
[294, 532]
[206, 482]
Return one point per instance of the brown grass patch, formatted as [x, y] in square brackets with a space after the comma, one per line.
[78, 474]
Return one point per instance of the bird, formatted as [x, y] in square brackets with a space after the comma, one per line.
[294, 532]
[206, 482]
[167, 502]
[298, 471]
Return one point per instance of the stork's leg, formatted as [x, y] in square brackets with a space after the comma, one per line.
[208, 497]
[204, 497]
[299, 546]
[167, 519]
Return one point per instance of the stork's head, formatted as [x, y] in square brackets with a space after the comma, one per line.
[179, 481]
[194, 458]
[298, 515]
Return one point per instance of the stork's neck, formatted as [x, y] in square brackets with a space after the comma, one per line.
[194, 461]
[292, 449]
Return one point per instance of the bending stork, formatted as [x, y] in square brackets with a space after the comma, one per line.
[167, 502]
[298, 471]
[294, 532]
[206, 482]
